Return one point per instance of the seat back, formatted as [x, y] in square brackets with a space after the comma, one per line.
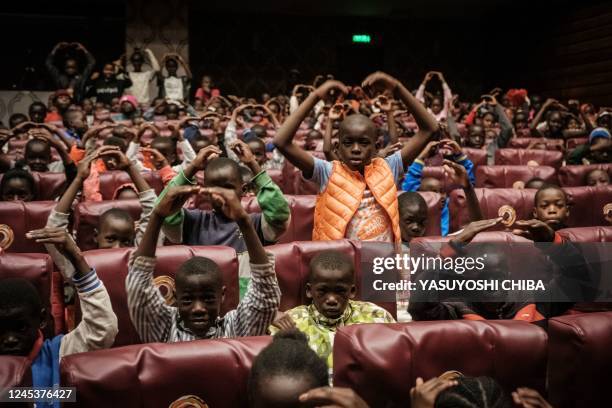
[587, 234]
[572, 176]
[506, 176]
[112, 268]
[586, 205]
[512, 352]
[23, 217]
[215, 371]
[575, 142]
[476, 156]
[16, 372]
[111, 180]
[87, 217]
[292, 268]
[579, 360]
[523, 156]
[524, 142]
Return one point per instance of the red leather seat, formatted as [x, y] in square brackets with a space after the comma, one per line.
[292, 266]
[523, 156]
[382, 361]
[506, 176]
[16, 372]
[572, 176]
[575, 142]
[586, 205]
[38, 269]
[49, 185]
[295, 183]
[111, 180]
[435, 204]
[112, 267]
[476, 156]
[524, 142]
[87, 216]
[579, 360]
[587, 234]
[23, 217]
[216, 371]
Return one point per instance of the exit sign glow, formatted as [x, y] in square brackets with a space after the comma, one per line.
[361, 38]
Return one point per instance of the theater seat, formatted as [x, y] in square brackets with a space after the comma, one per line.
[435, 204]
[23, 217]
[580, 358]
[572, 176]
[16, 372]
[49, 186]
[156, 375]
[87, 217]
[506, 176]
[521, 157]
[112, 267]
[575, 142]
[476, 156]
[111, 180]
[587, 234]
[38, 270]
[382, 362]
[586, 205]
[292, 267]
[524, 142]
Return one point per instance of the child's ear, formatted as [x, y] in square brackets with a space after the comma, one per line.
[308, 291]
[353, 292]
[535, 213]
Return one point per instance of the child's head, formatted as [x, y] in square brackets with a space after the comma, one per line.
[75, 120]
[71, 67]
[37, 155]
[436, 105]
[413, 215]
[137, 59]
[17, 118]
[311, 139]
[488, 120]
[62, 100]
[597, 177]
[431, 184]
[225, 173]
[199, 142]
[108, 71]
[21, 316]
[167, 147]
[555, 123]
[535, 183]
[259, 131]
[88, 106]
[551, 206]
[115, 229]
[284, 370]
[18, 185]
[520, 120]
[473, 392]
[128, 104]
[331, 283]
[476, 136]
[357, 141]
[172, 111]
[258, 147]
[171, 66]
[601, 145]
[111, 161]
[199, 294]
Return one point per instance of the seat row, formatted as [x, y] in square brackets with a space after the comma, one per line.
[569, 364]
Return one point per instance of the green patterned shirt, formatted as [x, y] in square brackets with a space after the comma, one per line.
[321, 330]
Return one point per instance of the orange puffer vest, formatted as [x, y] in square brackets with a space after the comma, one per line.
[337, 204]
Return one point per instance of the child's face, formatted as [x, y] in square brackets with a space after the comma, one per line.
[357, 146]
[167, 149]
[413, 221]
[172, 111]
[199, 144]
[126, 107]
[330, 290]
[431, 184]
[70, 67]
[488, 121]
[281, 391]
[37, 114]
[127, 194]
[225, 177]
[520, 121]
[17, 189]
[551, 207]
[63, 102]
[598, 178]
[171, 67]
[18, 330]
[476, 137]
[115, 233]
[77, 121]
[137, 61]
[555, 123]
[38, 156]
[436, 106]
[199, 298]
[108, 71]
[259, 152]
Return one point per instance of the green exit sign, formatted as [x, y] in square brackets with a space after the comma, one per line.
[361, 38]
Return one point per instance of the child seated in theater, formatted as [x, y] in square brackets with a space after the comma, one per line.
[598, 150]
[331, 288]
[197, 227]
[597, 178]
[413, 216]
[414, 180]
[551, 208]
[357, 194]
[18, 185]
[22, 315]
[199, 281]
[37, 154]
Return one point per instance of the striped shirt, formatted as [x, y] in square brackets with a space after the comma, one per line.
[157, 322]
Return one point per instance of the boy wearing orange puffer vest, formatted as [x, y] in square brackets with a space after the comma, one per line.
[357, 194]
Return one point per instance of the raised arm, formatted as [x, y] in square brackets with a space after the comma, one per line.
[459, 175]
[335, 113]
[426, 122]
[284, 136]
[540, 115]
